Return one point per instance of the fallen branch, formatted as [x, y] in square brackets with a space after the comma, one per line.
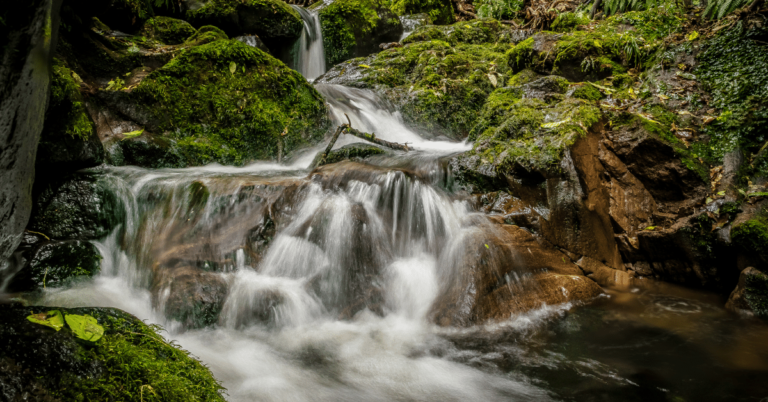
[347, 129]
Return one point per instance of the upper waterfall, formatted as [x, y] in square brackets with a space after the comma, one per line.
[309, 51]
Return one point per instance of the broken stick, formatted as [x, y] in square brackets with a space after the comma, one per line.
[347, 129]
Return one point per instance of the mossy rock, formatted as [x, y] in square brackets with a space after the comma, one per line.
[130, 360]
[77, 206]
[69, 141]
[168, 30]
[439, 11]
[752, 236]
[269, 19]
[355, 28]
[225, 102]
[467, 32]
[568, 21]
[55, 264]
[629, 39]
[587, 92]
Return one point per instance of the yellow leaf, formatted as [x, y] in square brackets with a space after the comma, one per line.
[232, 67]
[662, 97]
[133, 133]
[555, 124]
[693, 35]
[597, 43]
[364, 66]
[467, 26]
[632, 93]
[650, 228]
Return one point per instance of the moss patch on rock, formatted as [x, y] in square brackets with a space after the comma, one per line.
[168, 30]
[268, 19]
[230, 103]
[354, 28]
[55, 264]
[130, 362]
[440, 11]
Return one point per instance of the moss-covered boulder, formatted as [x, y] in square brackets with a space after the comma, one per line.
[77, 206]
[222, 102]
[441, 78]
[610, 47]
[68, 141]
[752, 236]
[272, 20]
[129, 362]
[55, 263]
[750, 298]
[439, 11]
[168, 30]
[355, 28]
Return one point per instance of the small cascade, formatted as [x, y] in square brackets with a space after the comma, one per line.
[309, 53]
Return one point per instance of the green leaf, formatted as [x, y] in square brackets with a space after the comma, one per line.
[133, 133]
[650, 228]
[85, 327]
[232, 67]
[693, 35]
[486, 246]
[721, 193]
[52, 319]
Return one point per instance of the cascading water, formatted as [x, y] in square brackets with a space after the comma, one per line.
[310, 54]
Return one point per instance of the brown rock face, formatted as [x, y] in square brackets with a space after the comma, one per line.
[502, 271]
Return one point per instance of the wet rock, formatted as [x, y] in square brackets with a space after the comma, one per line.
[750, 298]
[656, 164]
[273, 21]
[504, 272]
[77, 206]
[605, 276]
[355, 28]
[168, 30]
[29, 36]
[190, 296]
[37, 361]
[146, 150]
[122, 15]
[55, 263]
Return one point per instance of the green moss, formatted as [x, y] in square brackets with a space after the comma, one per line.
[439, 11]
[734, 68]
[266, 18]
[206, 34]
[467, 32]
[138, 364]
[568, 21]
[168, 30]
[514, 132]
[228, 102]
[752, 236]
[756, 294]
[587, 92]
[520, 55]
[347, 24]
[67, 114]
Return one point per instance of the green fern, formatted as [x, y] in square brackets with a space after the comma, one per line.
[717, 9]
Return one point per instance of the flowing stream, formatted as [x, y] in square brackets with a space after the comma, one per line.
[320, 286]
[310, 55]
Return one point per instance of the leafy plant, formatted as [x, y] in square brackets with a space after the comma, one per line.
[499, 9]
[717, 9]
[620, 6]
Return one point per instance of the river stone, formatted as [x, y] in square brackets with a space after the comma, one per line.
[57, 263]
[77, 206]
[190, 296]
[750, 298]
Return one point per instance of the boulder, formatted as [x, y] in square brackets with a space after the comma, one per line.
[190, 295]
[355, 28]
[38, 362]
[29, 35]
[439, 11]
[223, 102]
[750, 298]
[55, 263]
[168, 30]
[273, 21]
[77, 207]
[69, 141]
[504, 271]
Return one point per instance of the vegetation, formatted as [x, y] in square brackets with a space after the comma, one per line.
[439, 11]
[228, 102]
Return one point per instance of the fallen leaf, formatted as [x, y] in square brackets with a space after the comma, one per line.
[364, 66]
[492, 78]
[52, 319]
[133, 133]
[555, 124]
[232, 67]
[85, 327]
[693, 35]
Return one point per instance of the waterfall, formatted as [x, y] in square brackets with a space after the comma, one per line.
[310, 54]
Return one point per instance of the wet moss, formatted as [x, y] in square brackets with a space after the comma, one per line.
[228, 102]
[752, 236]
[266, 18]
[350, 27]
[168, 30]
[587, 92]
[439, 11]
[67, 113]
[130, 362]
[206, 34]
[568, 21]
[756, 294]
